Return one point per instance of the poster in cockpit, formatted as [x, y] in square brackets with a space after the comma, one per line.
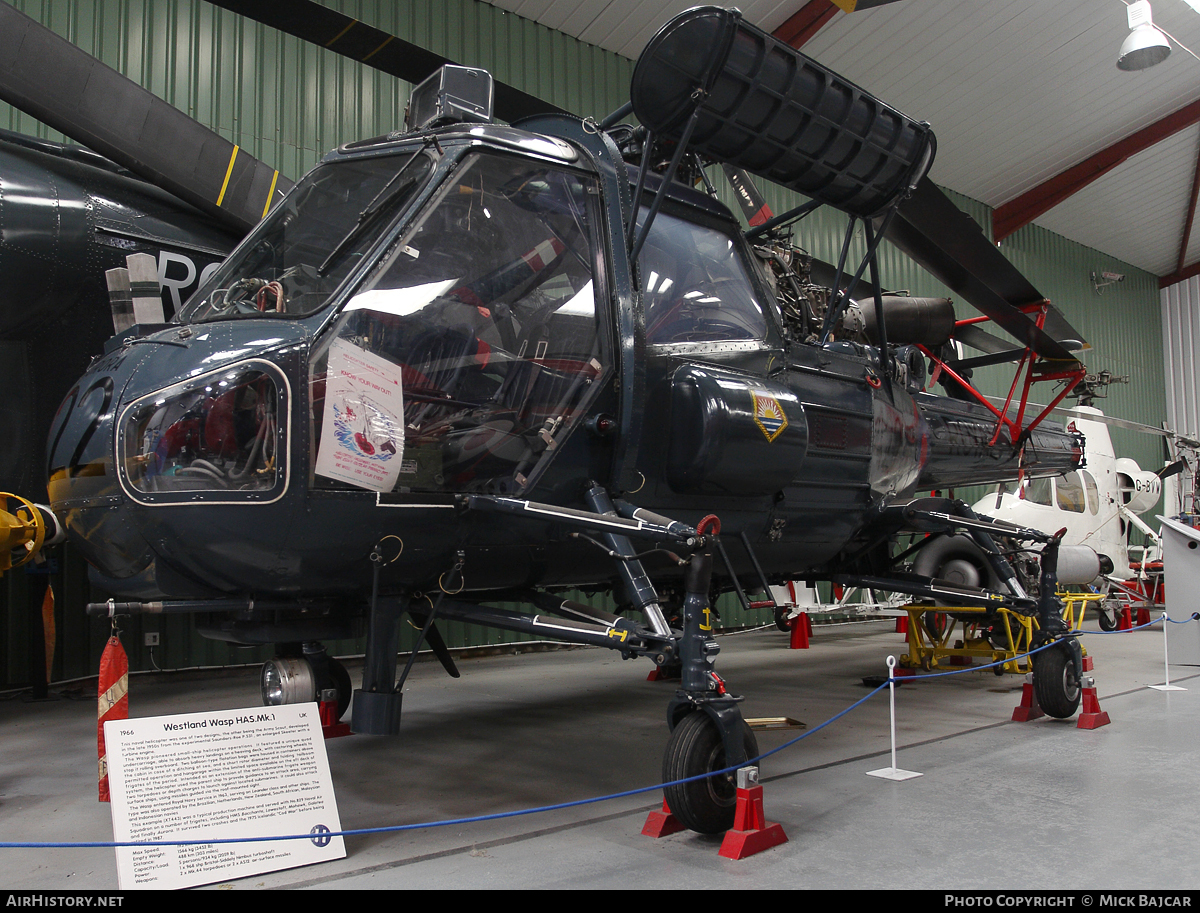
[362, 434]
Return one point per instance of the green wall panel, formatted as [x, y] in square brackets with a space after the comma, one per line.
[288, 103]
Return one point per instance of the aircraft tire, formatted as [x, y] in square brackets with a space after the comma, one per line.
[781, 619]
[704, 806]
[1056, 683]
[1108, 615]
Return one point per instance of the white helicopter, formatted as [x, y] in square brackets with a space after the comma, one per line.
[1100, 504]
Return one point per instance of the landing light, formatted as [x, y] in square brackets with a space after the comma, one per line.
[287, 681]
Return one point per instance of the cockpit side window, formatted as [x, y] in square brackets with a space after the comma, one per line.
[1093, 492]
[1068, 493]
[695, 286]
[467, 356]
[1036, 491]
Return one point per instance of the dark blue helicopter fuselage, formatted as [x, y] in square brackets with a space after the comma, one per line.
[796, 445]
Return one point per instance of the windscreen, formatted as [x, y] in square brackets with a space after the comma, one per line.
[307, 245]
[463, 361]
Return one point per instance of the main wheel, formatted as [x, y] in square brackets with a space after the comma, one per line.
[695, 748]
[1055, 682]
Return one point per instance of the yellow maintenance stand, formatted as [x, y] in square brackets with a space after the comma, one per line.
[939, 637]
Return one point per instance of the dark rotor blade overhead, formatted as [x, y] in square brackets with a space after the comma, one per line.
[51, 79]
[951, 245]
[853, 6]
[351, 38]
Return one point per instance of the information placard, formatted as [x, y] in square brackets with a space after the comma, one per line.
[261, 772]
[362, 433]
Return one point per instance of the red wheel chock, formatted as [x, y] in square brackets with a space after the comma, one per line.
[752, 832]
[661, 824]
[1091, 716]
[801, 632]
[1124, 620]
[331, 728]
[901, 624]
[1028, 709]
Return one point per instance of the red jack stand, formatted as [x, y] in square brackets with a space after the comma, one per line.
[901, 624]
[1143, 616]
[661, 824]
[330, 727]
[1091, 717]
[1028, 708]
[1124, 620]
[661, 674]
[752, 832]
[801, 631]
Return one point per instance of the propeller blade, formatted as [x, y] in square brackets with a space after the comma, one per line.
[51, 79]
[351, 38]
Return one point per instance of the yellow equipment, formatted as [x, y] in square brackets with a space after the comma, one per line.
[931, 630]
[22, 527]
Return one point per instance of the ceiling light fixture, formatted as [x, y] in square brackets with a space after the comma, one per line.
[1145, 46]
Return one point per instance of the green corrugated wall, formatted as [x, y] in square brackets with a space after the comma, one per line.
[288, 103]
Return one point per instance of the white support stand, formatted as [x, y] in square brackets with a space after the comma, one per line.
[1166, 664]
[893, 772]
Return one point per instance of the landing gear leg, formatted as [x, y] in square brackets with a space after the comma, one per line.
[707, 730]
[377, 703]
[1057, 670]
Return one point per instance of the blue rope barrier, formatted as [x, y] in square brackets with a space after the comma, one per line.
[97, 844]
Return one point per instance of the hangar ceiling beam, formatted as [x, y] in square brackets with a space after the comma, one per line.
[805, 23]
[1022, 210]
[1191, 215]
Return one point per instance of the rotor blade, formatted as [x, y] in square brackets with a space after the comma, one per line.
[1172, 470]
[351, 38]
[951, 245]
[853, 6]
[51, 79]
[971, 335]
[753, 204]
[1124, 423]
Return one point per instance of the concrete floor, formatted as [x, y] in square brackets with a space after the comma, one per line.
[1001, 805]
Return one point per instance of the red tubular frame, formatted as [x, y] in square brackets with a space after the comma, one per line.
[1034, 370]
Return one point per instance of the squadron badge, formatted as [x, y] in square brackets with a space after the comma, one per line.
[769, 415]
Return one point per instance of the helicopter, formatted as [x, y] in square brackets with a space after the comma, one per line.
[469, 363]
[1099, 504]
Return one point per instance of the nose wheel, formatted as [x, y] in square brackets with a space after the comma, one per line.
[695, 748]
